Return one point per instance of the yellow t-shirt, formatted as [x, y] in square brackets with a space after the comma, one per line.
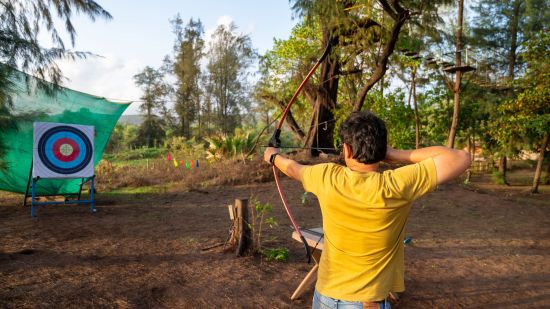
[364, 217]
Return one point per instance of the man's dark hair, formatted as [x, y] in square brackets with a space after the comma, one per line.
[367, 136]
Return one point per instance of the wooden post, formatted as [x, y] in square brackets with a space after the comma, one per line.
[243, 229]
[240, 238]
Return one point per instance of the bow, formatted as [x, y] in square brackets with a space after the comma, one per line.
[275, 141]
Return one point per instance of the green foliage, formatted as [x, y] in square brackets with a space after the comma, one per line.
[305, 199]
[7, 120]
[226, 85]
[282, 69]
[498, 178]
[155, 90]
[436, 114]
[225, 147]
[188, 50]
[137, 154]
[276, 254]
[399, 118]
[260, 216]
[526, 120]
[183, 147]
[150, 133]
[22, 20]
[123, 137]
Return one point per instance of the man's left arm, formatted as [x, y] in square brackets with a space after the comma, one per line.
[288, 166]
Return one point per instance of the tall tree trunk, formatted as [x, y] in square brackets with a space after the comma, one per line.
[473, 153]
[538, 171]
[547, 175]
[321, 131]
[199, 122]
[185, 126]
[470, 149]
[514, 25]
[502, 167]
[458, 76]
[416, 118]
[382, 86]
[410, 97]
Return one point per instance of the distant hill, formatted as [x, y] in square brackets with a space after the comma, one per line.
[131, 119]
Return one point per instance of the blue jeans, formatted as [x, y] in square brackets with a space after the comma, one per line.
[321, 301]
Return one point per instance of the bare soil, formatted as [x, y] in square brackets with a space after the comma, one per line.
[472, 247]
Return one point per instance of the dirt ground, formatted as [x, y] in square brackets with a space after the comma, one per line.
[472, 247]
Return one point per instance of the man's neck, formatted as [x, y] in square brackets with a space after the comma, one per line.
[362, 167]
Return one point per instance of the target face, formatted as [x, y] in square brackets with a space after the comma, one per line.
[62, 150]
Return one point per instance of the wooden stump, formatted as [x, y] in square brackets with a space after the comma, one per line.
[240, 238]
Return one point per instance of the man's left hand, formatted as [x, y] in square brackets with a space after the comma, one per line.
[268, 152]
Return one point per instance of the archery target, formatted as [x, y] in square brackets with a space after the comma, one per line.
[63, 150]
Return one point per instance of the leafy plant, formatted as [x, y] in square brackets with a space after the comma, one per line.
[498, 178]
[226, 147]
[305, 199]
[276, 254]
[260, 216]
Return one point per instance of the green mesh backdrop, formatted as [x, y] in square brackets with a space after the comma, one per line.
[66, 106]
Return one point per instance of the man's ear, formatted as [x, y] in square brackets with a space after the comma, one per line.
[348, 153]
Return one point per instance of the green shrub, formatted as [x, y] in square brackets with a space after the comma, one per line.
[276, 254]
[136, 154]
[498, 178]
[226, 147]
[260, 216]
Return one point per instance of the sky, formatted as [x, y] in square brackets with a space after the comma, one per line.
[140, 35]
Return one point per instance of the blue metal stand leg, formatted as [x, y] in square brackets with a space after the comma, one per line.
[33, 199]
[92, 191]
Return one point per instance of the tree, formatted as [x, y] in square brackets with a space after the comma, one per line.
[500, 29]
[458, 75]
[20, 23]
[186, 67]
[529, 115]
[282, 69]
[230, 55]
[155, 90]
[363, 35]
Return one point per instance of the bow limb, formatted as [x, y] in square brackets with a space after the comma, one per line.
[275, 141]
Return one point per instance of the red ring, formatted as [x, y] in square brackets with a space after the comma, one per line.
[57, 149]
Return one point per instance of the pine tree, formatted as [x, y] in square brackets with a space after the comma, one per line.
[230, 55]
[155, 90]
[186, 67]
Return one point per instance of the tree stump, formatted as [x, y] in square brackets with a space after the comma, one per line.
[240, 238]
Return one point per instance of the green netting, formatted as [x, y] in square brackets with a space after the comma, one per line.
[66, 106]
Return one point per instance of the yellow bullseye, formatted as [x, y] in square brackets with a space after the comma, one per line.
[66, 149]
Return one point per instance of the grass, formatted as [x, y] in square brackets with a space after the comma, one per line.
[136, 154]
[140, 190]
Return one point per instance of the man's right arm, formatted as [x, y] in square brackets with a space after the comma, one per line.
[449, 163]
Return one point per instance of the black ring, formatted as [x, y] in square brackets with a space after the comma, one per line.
[42, 150]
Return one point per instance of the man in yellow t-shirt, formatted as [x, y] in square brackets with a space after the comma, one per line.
[365, 211]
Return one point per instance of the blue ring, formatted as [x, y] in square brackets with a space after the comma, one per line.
[49, 147]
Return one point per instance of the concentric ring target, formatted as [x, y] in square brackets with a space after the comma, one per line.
[65, 150]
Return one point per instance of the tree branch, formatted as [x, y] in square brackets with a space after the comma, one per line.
[387, 7]
[290, 121]
[383, 62]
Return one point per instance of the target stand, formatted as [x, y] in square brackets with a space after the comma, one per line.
[62, 151]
